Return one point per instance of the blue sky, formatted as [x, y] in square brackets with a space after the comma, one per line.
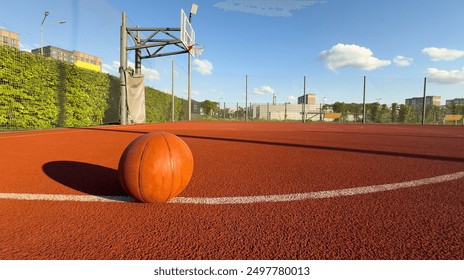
[334, 43]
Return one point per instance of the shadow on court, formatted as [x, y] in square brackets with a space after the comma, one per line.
[85, 177]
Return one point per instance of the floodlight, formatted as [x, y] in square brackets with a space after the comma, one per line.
[194, 9]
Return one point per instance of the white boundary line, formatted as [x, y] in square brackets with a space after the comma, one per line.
[245, 199]
[33, 134]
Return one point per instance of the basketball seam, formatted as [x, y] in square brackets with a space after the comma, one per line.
[140, 171]
[171, 165]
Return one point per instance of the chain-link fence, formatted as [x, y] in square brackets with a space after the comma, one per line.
[361, 99]
[41, 92]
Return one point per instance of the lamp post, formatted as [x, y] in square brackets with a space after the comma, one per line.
[41, 31]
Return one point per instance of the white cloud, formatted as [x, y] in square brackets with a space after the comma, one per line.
[263, 90]
[402, 61]
[435, 75]
[355, 56]
[292, 98]
[271, 8]
[149, 73]
[25, 48]
[111, 68]
[437, 54]
[204, 67]
[193, 93]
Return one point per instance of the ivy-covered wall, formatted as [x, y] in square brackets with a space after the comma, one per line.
[39, 92]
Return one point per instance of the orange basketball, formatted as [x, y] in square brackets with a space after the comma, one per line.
[156, 167]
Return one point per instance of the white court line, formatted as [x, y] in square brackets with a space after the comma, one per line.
[245, 199]
[14, 135]
[65, 197]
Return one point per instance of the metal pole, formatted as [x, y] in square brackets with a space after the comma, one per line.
[423, 101]
[304, 99]
[172, 90]
[189, 86]
[122, 69]
[364, 101]
[246, 97]
[138, 55]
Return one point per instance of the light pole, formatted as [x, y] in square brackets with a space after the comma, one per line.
[41, 31]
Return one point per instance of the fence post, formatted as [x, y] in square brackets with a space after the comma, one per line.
[423, 101]
[364, 101]
[246, 98]
[304, 99]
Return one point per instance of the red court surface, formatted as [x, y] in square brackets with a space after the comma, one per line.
[258, 191]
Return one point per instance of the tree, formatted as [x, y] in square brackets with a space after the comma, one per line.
[374, 112]
[339, 107]
[394, 112]
[405, 113]
[208, 107]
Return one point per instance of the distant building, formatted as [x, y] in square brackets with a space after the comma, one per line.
[9, 38]
[456, 101]
[55, 53]
[418, 101]
[310, 99]
[87, 61]
[80, 59]
[285, 111]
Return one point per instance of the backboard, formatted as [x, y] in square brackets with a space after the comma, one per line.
[187, 34]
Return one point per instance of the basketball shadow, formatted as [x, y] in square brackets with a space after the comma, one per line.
[85, 177]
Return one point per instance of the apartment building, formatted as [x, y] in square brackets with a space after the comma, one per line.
[80, 59]
[418, 101]
[87, 61]
[310, 99]
[9, 38]
[456, 101]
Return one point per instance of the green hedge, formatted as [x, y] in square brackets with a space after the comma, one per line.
[39, 92]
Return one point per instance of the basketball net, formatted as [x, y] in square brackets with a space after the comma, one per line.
[196, 50]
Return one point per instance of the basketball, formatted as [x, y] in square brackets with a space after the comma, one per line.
[155, 167]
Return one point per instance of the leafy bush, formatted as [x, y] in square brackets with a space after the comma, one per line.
[40, 92]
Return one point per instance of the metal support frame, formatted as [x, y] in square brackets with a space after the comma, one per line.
[145, 48]
[122, 69]
[153, 46]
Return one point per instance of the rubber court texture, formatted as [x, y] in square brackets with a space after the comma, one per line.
[258, 191]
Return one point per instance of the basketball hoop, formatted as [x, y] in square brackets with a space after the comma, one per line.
[196, 49]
